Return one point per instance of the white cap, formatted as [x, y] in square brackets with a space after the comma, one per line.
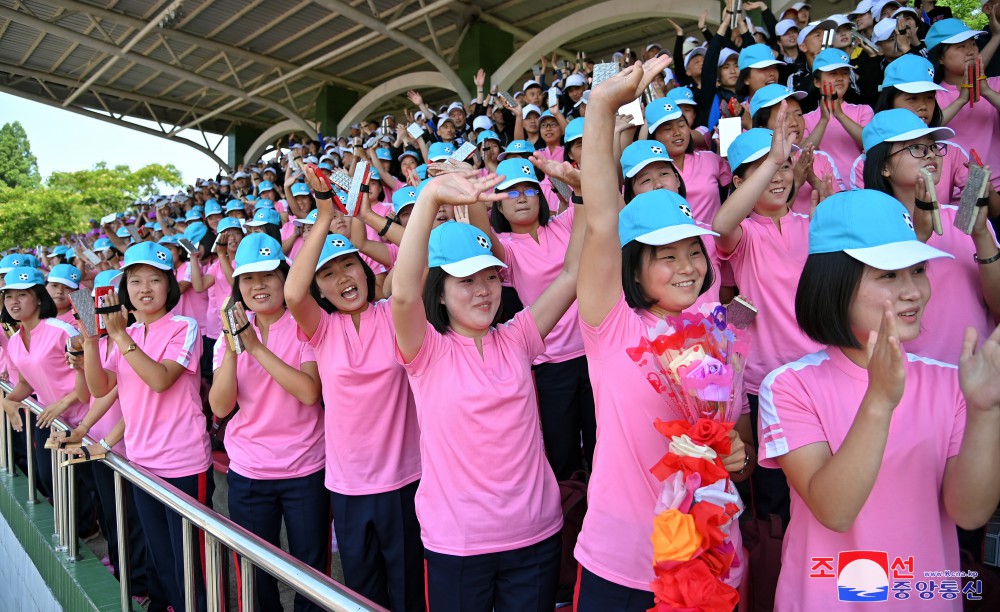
[575, 80]
[801, 5]
[865, 6]
[690, 56]
[881, 4]
[528, 109]
[840, 20]
[883, 30]
[583, 99]
[904, 9]
[725, 54]
[530, 83]
[825, 24]
[482, 122]
[652, 46]
[690, 43]
[784, 25]
[455, 105]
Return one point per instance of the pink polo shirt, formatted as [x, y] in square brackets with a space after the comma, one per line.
[954, 174]
[957, 298]
[273, 435]
[836, 141]
[287, 230]
[486, 486]
[977, 127]
[217, 294]
[44, 365]
[68, 317]
[192, 304]
[704, 172]
[165, 432]
[767, 264]
[815, 400]
[532, 267]
[822, 166]
[615, 541]
[106, 423]
[372, 437]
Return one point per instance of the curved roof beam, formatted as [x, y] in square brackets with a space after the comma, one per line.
[586, 20]
[266, 138]
[82, 39]
[375, 97]
[376, 25]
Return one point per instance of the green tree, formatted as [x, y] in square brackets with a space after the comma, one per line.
[969, 11]
[18, 167]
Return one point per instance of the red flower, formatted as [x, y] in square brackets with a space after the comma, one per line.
[718, 560]
[709, 471]
[708, 518]
[692, 586]
[671, 429]
[712, 434]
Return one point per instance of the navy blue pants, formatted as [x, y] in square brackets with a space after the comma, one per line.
[163, 530]
[380, 548]
[770, 486]
[86, 508]
[595, 594]
[566, 408]
[303, 504]
[520, 580]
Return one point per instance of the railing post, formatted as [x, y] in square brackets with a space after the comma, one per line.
[4, 438]
[28, 434]
[70, 509]
[9, 428]
[190, 592]
[124, 548]
[57, 503]
[247, 587]
[213, 561]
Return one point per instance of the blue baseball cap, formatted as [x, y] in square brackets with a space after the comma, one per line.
[410, 153]
[403, 197]
[574, 130]
[772, 94]
[107, 278]
[460, 249]
[234, 205]
[195, 232]
[300, 189]
[65, 274]
[60, 250]
[660, 111]
[757, 56]
[257, 253]
[229, 223]
[749, 146]
[899, 125]
[440, 151]
[326, 166]
[265, 186]
[149, 254]
[870, 226]
[263, 203]
[516, 170]
[309, 220]
[101, 244]
[374, 175]
[657, 218]
[263, 216]
[23, 277]
[682, 95]
[831, 59]
[122, 232]
[518, 147]
[640, 154]
[422, 172]
[192, 215]
[14, 260]
[166, 240]
[335, 246]
[910, 73]
[383, 154]
[948, 32]
[212, 207]
[487, 135]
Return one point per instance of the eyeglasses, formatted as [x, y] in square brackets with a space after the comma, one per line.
[528, 193]
[919, 150]
[548, 125]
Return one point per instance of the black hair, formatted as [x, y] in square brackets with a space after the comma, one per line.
[60, 259]
[742, 86]
[173, 288]
[762, 116]
[823, 299]
[633, 255]
[629, 192]
[326, 304]
[237, 295]
[272, 230]
[500, 224]
[566, 155]
[887, 101]
[46, 306]
[935, 57]
[437, 313]
[875, 160]
[690, 148]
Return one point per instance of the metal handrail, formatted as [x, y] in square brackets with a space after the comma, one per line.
[218, 529]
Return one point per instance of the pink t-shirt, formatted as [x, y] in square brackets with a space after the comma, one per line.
[621, 498]
[815, 400]
[557, 155]
[273, 435]
[767, 264]
[106, 423]
[486, 486]
[704, 172]
[836, 141]
[165, 432]
[957, 298]
[286, 231]
[822, 166]
[372, 436]
[192, 304]
[532, 268]
[954, 174]
[217, 294]
[44, 366]
[977, 127]
[68, 317]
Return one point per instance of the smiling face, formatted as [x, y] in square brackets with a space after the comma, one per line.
[551, 132]
[342, 281]
[907, 290]
[675, 135]
[472, 301]
[794, 123]
[263, 292]
[20, 304]
[60, 295]
[776, 195]
[759, 77]
[147, 290]
[902, 169]
[672, 275]
[790, 39]
[657, 175]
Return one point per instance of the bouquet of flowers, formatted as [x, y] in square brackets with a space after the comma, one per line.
[696, 363]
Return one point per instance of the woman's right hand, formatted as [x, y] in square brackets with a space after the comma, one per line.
[13, 410]
[886, 372]
[781, 142]
[455, 189]
[628, 84]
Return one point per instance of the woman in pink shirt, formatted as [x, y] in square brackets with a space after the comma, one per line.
[371, 433]
[870, 460]
[552, 135]
[154, 364]
[638, 265]
[216, 279]
[488, 501]
[275, 440]
[62, 280]
[897, 146]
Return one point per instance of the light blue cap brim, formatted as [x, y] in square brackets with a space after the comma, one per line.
[258, 266]
[468, 267]
[673, 233]
[897, 255]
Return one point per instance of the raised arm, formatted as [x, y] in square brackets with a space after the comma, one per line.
[305, 310]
